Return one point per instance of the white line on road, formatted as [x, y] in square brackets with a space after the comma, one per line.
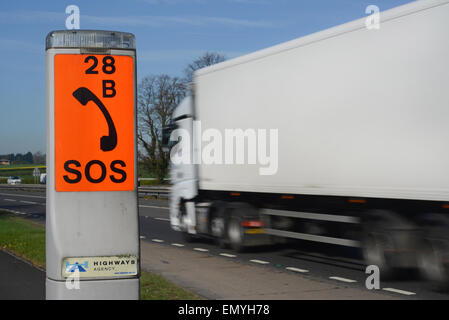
[177, 245]
[342, 279]
[29, 202]
[200, 249]
[297, 269]
[14, 211]
[228, 255]
[157, 240]
[143, 237]
[259, 261]
[9, 200]
[162, 219]
[154, 207]
[407, 293]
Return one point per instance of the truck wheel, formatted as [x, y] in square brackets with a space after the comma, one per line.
[434, 250]
[235, 234]
[373, 245]
[431, 264]
[187, 237]
[388, 241]
[218, 224]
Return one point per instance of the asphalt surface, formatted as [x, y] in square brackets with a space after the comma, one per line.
[19, 280]
[317, 261]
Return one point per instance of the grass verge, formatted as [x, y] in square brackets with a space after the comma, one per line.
[23, 238]
[26, 239]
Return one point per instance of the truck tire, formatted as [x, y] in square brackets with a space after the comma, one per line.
[218, 224]
[383, 234]
[431, 265]
[235, 233]
[187, 237]
[374, 252]
[433, 251]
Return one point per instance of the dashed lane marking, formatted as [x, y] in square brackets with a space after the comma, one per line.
[154, 207]
[177, 245]
[157, 240]
[343, 279]
[228, 255]
[162, 219]
[297, 269]
[201, 249]
[28, 202]
[407, 293]
[259, 261]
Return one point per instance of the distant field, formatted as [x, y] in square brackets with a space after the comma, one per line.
[21, 166]
[24, 171]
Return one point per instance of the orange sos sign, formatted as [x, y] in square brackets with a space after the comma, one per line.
[94, 122]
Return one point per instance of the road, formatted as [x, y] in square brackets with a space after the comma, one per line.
[325, 263]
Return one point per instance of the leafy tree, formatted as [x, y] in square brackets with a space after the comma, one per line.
[158, 97]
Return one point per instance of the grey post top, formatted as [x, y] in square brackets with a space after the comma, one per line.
[90, 39]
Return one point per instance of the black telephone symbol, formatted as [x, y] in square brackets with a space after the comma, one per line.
[84, 95]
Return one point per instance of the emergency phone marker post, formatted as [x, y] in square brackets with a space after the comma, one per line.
[92, 228]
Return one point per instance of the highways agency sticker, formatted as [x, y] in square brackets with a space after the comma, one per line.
[100, 267]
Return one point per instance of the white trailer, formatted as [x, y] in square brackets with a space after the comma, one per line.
[361, 117]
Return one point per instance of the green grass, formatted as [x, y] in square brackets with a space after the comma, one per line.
[156, 287]
[27, 240]
[23, 238]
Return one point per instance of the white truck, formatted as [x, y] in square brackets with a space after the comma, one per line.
[340, 137]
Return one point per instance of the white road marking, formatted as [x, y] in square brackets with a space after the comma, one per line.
[407, 293]
[157, 240]
[200, 249]
[342, 279]
[13, 211]
[259, 261]
[29, 202]
[228, 255]
[297, 269]
[177, 245]
[162, 219]
[9, 200]
[154, 207]
[143, 237]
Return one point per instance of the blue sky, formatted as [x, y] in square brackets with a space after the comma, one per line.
[169, 33]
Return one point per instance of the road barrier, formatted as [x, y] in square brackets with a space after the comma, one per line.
[158, 192]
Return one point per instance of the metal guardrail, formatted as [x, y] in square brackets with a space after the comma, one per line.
[158, 192]
[23, 187]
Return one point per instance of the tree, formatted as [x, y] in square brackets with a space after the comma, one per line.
[28, 157]
[39, 158]
[158, 97]
[207, 59]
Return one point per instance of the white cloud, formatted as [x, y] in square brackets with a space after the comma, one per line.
[143, 21]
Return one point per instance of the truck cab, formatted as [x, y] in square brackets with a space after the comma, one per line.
[178, 141]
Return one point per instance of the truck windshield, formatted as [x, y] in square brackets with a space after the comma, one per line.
[166, 133]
